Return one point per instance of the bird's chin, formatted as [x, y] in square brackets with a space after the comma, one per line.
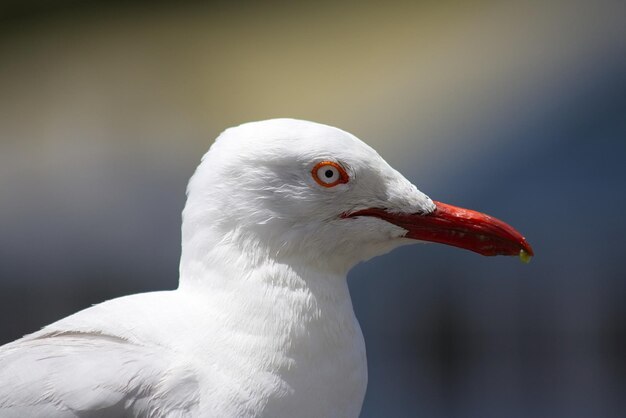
[366, 251]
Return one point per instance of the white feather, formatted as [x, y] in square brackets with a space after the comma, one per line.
[262, 324]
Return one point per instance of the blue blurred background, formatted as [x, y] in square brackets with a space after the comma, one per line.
[517, 110]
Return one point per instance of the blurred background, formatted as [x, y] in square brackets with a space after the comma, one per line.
[517, 110]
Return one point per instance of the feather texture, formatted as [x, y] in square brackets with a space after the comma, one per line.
[92, 375]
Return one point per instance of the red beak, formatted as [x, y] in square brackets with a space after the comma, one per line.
[458, 227]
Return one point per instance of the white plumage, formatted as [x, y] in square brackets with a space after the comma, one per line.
[262, 323]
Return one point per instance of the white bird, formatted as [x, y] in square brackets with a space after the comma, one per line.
[262, 323]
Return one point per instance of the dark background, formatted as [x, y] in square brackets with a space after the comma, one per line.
[515, 110]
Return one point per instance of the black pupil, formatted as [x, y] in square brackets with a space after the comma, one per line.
[329, 173]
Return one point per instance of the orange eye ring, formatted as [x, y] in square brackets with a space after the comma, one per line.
[329, 174]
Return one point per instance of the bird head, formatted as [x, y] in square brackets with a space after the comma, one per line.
[301, 190]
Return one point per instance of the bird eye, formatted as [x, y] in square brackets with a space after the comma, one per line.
[329, 174]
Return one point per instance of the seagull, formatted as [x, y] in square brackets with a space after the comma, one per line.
[262, 324]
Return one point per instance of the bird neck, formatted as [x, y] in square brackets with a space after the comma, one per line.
[251, 284]
[290, 323]
[261, 295]
[212, 258]
[251, 281]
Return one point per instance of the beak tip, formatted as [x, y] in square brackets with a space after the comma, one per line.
[526, 252]
[524, 256]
